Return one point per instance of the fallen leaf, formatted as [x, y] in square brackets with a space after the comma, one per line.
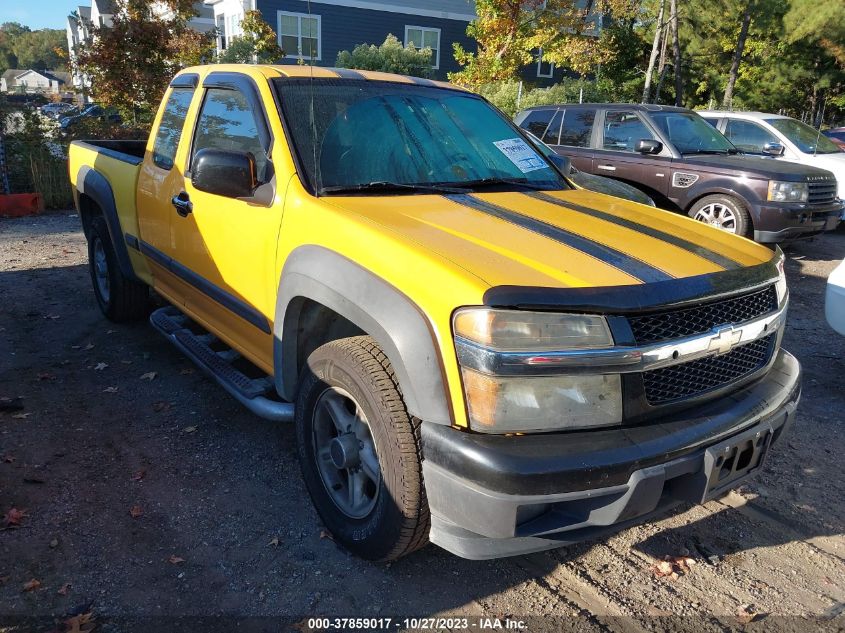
[45, 375]
[82, 623]
[189, 429]
[14, 517]
[100, 366]
[187, 371]
[32, 585]
[8, 458]
[672, 566]
[139, 475]
[746, 613]
[150, 375]
[274, 541]
[135, 511]
[662, 568]
[64, 589]
[89, 346]
[326, 534]
[21, 416]
[160, 406]
[110, 390]
[175, 560]
[54, 543]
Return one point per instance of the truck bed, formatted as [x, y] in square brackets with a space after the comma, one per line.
[128, 151]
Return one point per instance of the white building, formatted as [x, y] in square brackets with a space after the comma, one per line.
[101, 12]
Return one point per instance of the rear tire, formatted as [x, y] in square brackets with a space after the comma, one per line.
[723, 212]
[359, 450]
[120, 299]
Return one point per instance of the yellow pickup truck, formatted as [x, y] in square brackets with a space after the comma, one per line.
[473, 351]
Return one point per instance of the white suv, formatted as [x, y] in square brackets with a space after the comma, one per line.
[780, 137]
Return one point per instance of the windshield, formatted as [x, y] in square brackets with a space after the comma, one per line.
[803, 136]
[404, 138]
[691, 134]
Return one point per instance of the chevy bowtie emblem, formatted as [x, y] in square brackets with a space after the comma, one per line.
[724, 341]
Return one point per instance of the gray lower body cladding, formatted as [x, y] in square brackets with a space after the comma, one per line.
[493, 496]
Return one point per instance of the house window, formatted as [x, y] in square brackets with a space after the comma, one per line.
[233, 26]
[423, 37]
[299, 35]
[544, 69]
[221, 32]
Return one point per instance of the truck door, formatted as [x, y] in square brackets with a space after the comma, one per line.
[229, 244]
[160, 179]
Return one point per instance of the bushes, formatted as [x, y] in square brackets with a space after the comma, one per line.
[504, 94]
[390, 57]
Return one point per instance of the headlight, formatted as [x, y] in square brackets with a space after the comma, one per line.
[549, 401]
[788, 191]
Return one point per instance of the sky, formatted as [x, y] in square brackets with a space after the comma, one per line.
[39, 14]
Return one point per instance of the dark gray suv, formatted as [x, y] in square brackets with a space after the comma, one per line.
[684, 164]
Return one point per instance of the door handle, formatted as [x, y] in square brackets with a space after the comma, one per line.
[183, 204]
[607, 167]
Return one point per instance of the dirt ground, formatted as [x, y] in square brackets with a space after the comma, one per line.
[116, 423]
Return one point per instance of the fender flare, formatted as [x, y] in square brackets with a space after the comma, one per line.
[94, 185]
[376, 307]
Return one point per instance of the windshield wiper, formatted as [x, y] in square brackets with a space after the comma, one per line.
[482, 183]
[385, 186]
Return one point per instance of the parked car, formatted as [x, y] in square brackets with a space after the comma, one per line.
[686, 165]
[92, 111]
[837, 135]
[57, 110]
[834, 301]
[780, 137]
[599, 184]
[471, 351]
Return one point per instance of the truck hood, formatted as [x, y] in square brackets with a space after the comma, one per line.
[561, 239]
[755, 167]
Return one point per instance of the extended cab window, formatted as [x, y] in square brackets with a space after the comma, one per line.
[170, 128]
[747, 136]
[622, 130]
[537, 122]
[227, 122]
[577, 127]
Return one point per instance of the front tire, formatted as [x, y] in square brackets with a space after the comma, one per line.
[723, 212]
[120, 299]
[359, 450]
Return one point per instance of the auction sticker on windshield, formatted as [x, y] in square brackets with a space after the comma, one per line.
[520, 154]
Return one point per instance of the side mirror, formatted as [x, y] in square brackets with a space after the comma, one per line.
[648, 146]
[773, 149]
[224, 173]
[563, 164]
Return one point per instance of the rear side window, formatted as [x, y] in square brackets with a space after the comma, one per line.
[227, 122]
[170, 129]
[622, 130]
[747, 136]
[577, 127]
[552, 135]
[537, 121]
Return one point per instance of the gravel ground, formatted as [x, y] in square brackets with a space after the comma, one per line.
[224, 526]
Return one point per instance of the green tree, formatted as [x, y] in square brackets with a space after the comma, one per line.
[257, 43]
[390, 57]
[510, 34]
[42, 49]
[131, 62]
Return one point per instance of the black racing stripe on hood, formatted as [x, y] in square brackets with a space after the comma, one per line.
[619, 260]
[711, 256]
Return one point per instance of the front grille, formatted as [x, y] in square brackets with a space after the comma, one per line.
[822, 192]
[664, 326]
[705, 374]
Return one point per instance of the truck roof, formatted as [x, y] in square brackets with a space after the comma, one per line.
[742, 115]
[643, 107]
[296, 71]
